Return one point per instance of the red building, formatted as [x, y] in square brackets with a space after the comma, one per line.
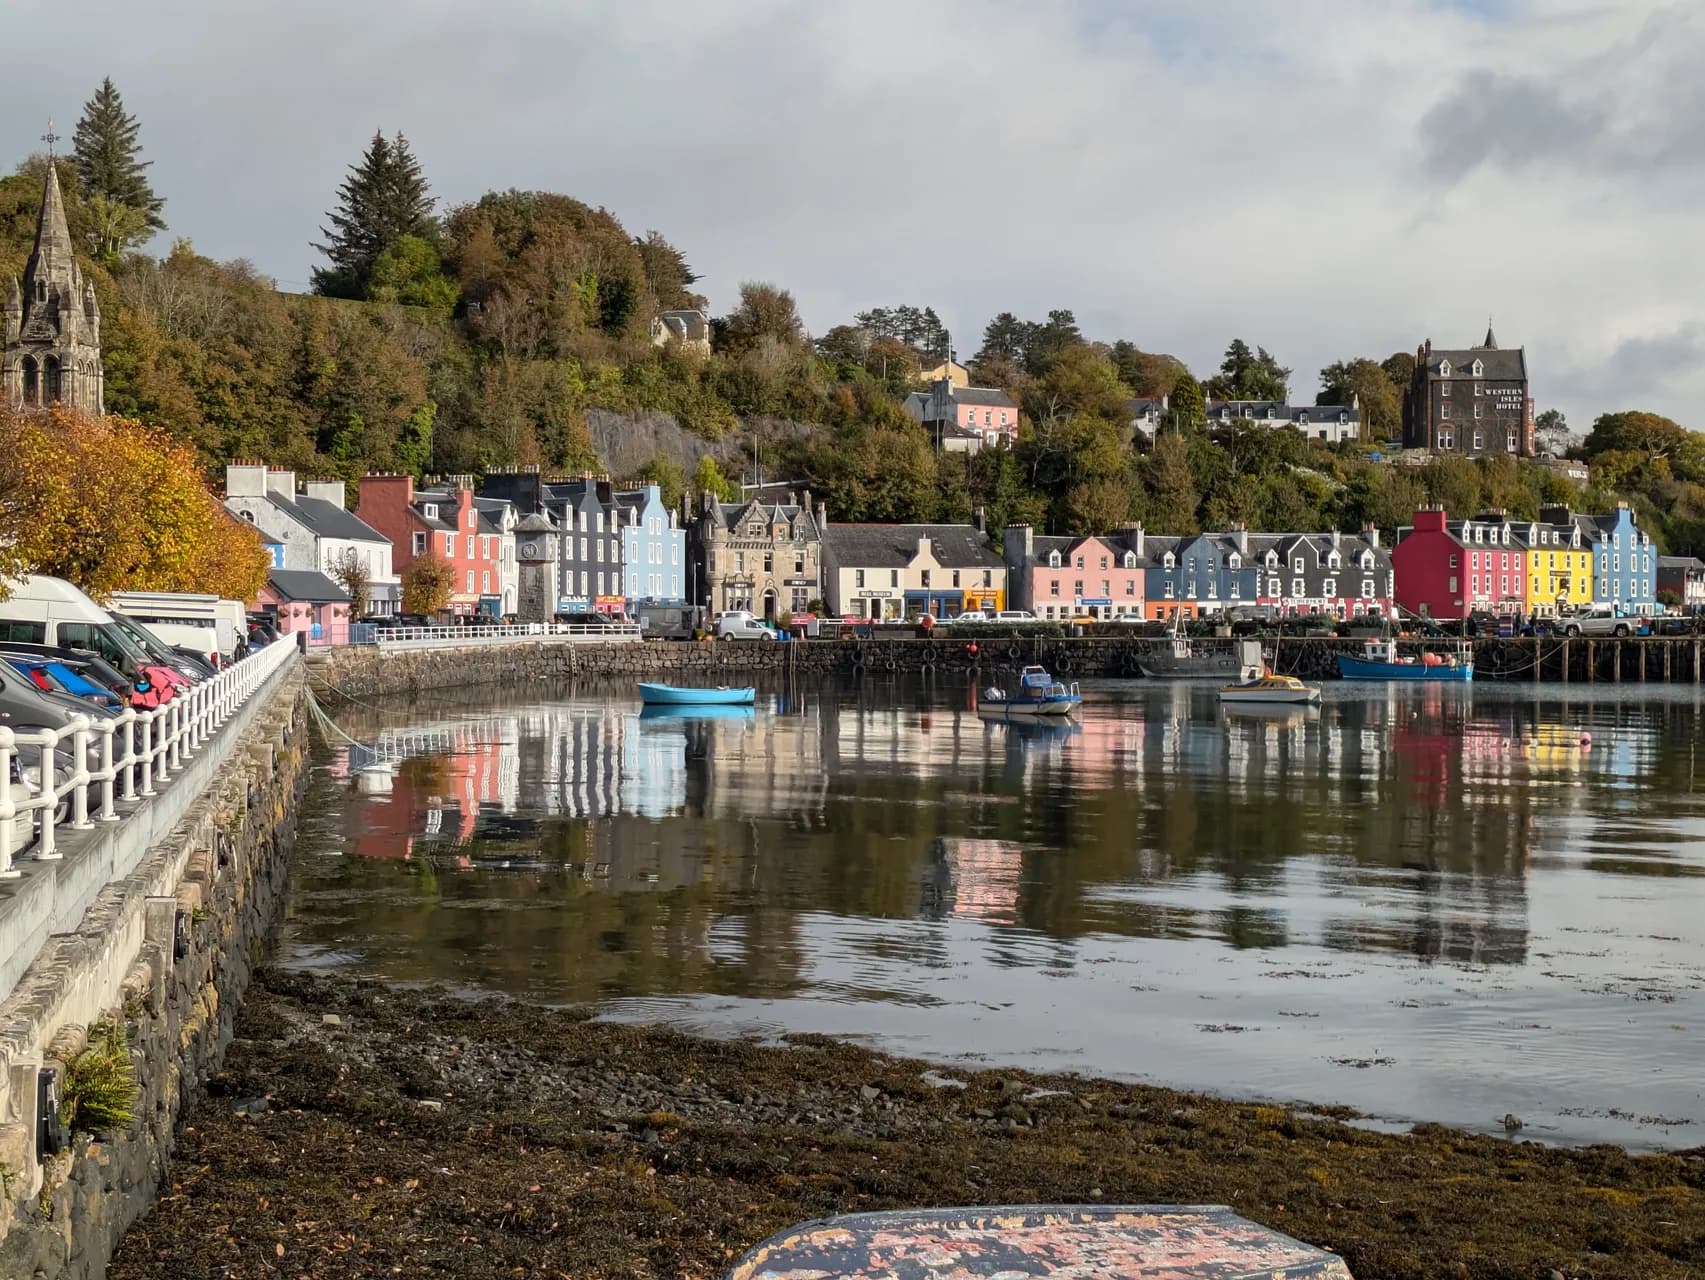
[1449, 569]
[441, 520]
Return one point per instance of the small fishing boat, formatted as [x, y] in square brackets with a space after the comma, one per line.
[668, 695]
[1181, 659]
[1119, 1242]
[1379, 661]
[1039, 694]
[1270, 688]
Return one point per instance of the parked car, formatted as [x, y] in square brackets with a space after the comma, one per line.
[46, 610]
[1600, 620]
[1015, 615]
[51, 676]
[740, 624]
[970, 616]
[86, 662]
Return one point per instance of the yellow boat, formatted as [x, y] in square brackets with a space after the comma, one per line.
[1270, 688]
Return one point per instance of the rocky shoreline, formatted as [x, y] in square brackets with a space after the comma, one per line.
[359, 1130]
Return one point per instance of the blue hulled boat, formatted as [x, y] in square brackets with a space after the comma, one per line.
[1379, 661]
[668, 695]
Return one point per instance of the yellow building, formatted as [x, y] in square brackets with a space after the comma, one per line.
[1559, 568]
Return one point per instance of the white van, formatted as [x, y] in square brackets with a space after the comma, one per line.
[203, 624]
[43, 610]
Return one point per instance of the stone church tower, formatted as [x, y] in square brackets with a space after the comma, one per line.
[53, 324]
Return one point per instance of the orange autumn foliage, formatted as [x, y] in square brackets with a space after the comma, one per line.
[114, 505]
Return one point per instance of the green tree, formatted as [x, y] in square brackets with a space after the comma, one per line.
[383, 199]
[1005, 336]
[766, 316]
[112, 176]
[1188, 406]
[1365, 383]
[1400, 369]
[1145, 374]
[1079, 379]
[668, 475]
[1249, 375]
[708, 478]
[1172, 494]
[411, 272]
[667, 273]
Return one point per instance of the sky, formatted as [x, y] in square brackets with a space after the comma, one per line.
[1325, 178]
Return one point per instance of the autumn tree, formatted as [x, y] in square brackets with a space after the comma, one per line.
[383, 199]
[122, 208]
[1364, 383]
[1144, 373]
[113, 505]
[349, 571]
[427, 584]
[766, 315]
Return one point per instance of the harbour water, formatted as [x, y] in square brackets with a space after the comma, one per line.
[1423, 903]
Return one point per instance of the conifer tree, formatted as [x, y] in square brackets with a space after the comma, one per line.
[383, 199]
[125, 211]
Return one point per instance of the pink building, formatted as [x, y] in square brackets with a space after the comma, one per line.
[1449, 569]
[307, 600]
[968, 418]
[1057, 578]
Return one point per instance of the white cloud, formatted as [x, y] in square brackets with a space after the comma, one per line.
[1326, 179]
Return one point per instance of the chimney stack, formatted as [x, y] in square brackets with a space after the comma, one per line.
[331, 491]
[245, 480]
[283, 483]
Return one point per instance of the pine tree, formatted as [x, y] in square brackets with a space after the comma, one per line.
[112, 176]
[383, 199]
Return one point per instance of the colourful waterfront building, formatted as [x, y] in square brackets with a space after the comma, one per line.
[1625, 564]
[1448, 569]
[888, 571]
[1060, 578]
[1559, 565]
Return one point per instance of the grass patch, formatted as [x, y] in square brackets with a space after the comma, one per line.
[98, 1092]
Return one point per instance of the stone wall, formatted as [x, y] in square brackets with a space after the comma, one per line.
[182, 929]
[365, 673]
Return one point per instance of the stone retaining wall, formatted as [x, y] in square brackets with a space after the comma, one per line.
[364, 673]
[179, 932]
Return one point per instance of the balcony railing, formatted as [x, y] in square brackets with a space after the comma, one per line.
[74, 778]
[497, 633]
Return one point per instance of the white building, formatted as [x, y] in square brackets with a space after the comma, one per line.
[316, 530]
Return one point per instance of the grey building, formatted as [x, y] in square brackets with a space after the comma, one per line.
[1330, 423]
[316, 530]
[588, 531]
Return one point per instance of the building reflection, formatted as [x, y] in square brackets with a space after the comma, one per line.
[643, 853]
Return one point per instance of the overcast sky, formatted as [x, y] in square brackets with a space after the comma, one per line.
[1327, 178]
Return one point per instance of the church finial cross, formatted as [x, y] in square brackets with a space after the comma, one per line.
[50, 137]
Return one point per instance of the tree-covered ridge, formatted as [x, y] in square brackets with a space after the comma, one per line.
[482, 334]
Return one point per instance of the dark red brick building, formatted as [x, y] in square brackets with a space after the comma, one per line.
[1470, 402]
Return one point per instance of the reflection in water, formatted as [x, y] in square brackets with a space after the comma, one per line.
[1449, 883]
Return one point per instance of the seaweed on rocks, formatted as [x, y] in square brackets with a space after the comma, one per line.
[422, 1134]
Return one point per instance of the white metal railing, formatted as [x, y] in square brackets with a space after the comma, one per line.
[443, 637]
[75, 777]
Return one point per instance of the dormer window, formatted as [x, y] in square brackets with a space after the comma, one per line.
[1234, 561]
[1478, 370]
[1272, 560]
[1168, 560]
[1332, 561]
[1367, 559]
[1053, 559]
[1130, 559]
[430, 511]
[1444, 372]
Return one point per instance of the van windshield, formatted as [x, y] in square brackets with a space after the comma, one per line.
[105, 639]
[148, 645]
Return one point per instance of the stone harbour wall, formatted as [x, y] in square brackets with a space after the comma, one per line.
[183, 929]
[364, 672]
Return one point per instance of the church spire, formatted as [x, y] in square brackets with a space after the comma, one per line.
[52, 260]
[1491, 343]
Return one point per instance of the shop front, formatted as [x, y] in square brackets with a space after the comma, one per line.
[875, 606]
[988, 599]
[937, 602]
[615, 605]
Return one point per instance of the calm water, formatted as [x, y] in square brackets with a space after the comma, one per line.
[1427, 904]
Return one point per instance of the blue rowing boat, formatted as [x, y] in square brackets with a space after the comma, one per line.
[668, 695]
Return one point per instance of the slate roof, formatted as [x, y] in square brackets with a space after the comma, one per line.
[689, 325]
[1689, 563]
[994, 397]
[309, 586]
[537, 522]
[1276, 411]
[893, 546]
[1145, 406]
[490, 512]
[325, 519]
[732, 514]
[1498, 364]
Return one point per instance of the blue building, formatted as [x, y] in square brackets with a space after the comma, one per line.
[1625, 564]
[654, 548]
